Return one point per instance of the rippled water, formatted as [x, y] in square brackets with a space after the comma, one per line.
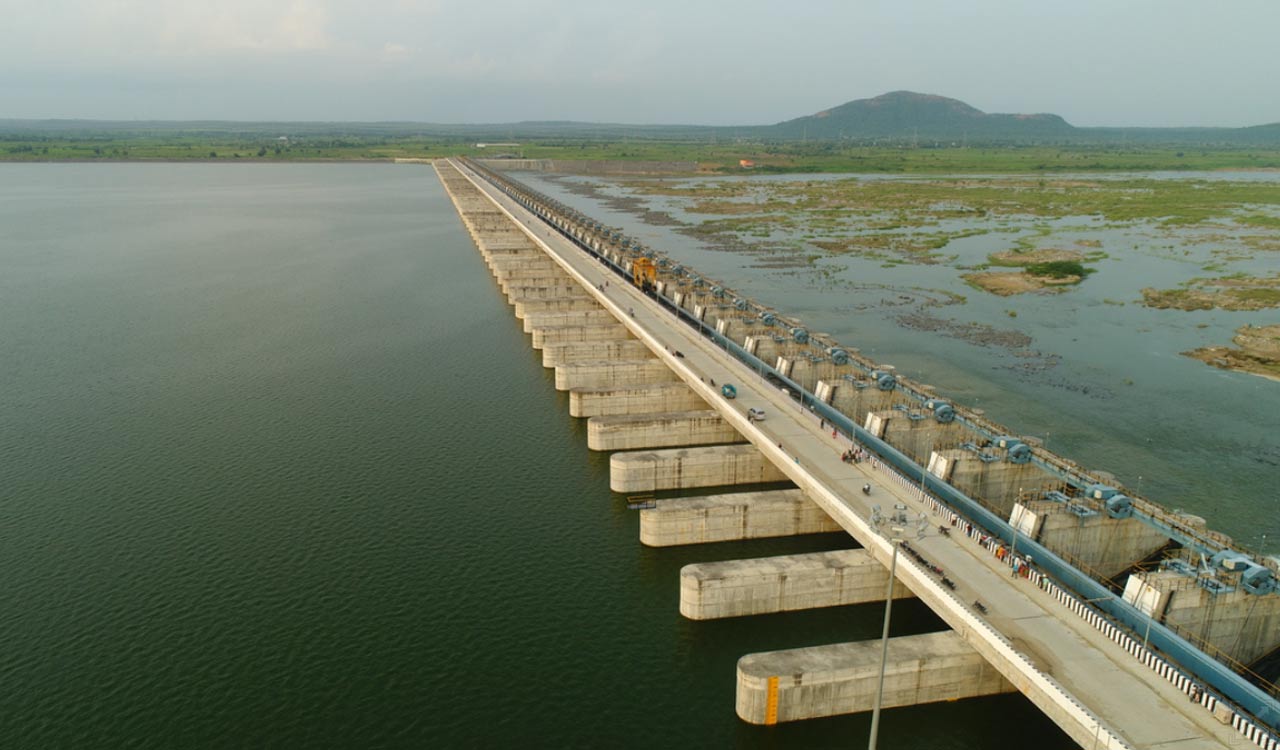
[278, 468]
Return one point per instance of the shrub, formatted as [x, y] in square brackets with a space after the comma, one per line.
[1058, 269]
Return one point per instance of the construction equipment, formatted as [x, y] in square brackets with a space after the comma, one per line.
[644, 274]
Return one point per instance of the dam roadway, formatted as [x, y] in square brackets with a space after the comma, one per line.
[1089, 685]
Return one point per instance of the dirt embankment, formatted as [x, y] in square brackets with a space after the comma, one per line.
[1009, 283]
[1236, 293]
[1031, 257]
[595, 166]
[1258, 352]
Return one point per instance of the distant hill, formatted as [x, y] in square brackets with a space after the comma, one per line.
[902, 117]
[906, 114]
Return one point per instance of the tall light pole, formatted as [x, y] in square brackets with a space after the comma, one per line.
[894, 536]
[1013, 550]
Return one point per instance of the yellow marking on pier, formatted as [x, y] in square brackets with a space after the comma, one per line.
[771, 703]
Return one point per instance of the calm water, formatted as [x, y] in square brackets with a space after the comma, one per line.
[279, 469]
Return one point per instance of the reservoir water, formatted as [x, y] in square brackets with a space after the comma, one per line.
[278, 468]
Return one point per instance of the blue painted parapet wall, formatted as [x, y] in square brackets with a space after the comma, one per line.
[1196, 663]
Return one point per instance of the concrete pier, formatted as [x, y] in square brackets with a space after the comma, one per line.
[713, 466]
[544, 291]
[734, 588]
[916, 432]
[524, 267]
[566, 334]
[858, 403]
[997, 482]
[613, 374]
[809, 373]
[534, 277]
[554, 355]
[525, 308]
[761, 345]
[807, 683]
[732, 517]
[668, 430]
[1086, 536]
[512, 254]
[567, 318]
[646, 399]
[1233, 622]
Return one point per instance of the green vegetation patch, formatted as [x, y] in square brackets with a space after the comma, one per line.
[1059, 269]
[1238, 292]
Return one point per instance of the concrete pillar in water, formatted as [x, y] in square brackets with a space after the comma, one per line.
[563, 289]
[763, 346]
[733, 327]
[916, 432]
[807, 683]
[808, 373]
[522, 277]
[1242, 625]
[860, 397]
[566, 304]
[554, 355]
[1083, 534]
[989, 476]
[613, 374]
[731, 517]
[496, 258]
[646, 399]
[792, 360]
[567, 318]
[664, 430]
[521, 268]
[734, 588]
[566, 334]
[712, 466]
[537, 278]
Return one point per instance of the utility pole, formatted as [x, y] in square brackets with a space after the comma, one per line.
[894, 535]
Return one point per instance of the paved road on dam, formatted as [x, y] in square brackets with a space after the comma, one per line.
[1100, 694]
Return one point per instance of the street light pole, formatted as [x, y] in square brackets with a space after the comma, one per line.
[1013, 550]
[884, 645]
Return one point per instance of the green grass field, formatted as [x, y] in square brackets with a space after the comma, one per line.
[723, 156]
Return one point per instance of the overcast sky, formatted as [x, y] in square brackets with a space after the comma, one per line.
[1095, 62]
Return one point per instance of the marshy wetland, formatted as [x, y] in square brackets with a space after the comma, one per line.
[1002, 235]
[966, 282]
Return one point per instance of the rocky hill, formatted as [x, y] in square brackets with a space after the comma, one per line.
[905, 114]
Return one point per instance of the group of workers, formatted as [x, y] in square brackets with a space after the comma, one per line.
[854, 455]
